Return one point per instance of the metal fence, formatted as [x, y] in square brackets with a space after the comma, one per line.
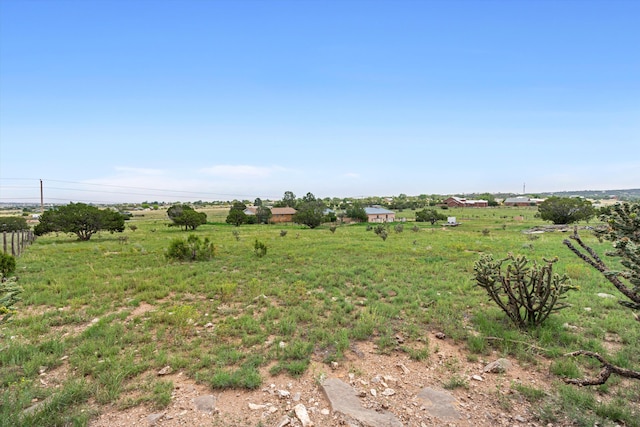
[13, 242]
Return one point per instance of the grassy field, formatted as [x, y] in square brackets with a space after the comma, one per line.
[316, 290]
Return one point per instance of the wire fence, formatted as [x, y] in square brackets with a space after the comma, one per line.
[13, 242]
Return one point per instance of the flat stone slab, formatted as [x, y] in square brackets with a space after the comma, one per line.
[439, 403]
[344, 400]
[206, 403]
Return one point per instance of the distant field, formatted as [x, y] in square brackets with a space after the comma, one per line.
[316, 290]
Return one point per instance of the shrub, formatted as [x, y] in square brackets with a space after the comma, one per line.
[486, 231]
[7, 265]
[429, 215]
[415, 229]
[398, 228]
[381, 230]
[236, 234]
[528, 295]
[283, 233]
[193, 249]
[259, 248]
[9, 289]
[332, 228]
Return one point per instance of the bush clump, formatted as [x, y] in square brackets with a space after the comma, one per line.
[381, 230]
[192, 249]
[259, 248]
[9, 289]
[528, 295]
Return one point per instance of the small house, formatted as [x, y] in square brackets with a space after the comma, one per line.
[280, 215]
[378, 214]
[461, 202]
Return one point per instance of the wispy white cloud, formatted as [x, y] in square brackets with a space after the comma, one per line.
[352, 175]
[139, 171]
[241, 171]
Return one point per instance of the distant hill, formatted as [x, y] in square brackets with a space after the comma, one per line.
[624, 195]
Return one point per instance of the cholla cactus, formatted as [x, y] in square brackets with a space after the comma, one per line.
[528, 295]
[624, 231]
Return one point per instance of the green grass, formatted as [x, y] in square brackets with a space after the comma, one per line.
[316, 291]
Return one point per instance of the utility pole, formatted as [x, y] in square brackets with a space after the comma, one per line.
[523, 187]
[41, 198]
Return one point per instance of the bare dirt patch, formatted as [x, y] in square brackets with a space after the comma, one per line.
[487, 400]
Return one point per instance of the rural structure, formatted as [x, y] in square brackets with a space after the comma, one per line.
[521, 201]
[461, 202]
[378, 214]
[280, 215]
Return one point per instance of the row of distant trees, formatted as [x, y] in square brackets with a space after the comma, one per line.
[85, 220]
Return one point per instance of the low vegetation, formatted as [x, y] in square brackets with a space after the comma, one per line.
[108, 314]
[527, 294]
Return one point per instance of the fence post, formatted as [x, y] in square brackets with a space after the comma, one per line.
[4, 242]
[13, 246]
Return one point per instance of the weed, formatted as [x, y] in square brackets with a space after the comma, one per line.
[455, 381]
[531, 394]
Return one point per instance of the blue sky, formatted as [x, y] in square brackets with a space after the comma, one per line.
[215, 100]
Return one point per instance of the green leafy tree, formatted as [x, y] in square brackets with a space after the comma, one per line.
[236, 214]
[288, 200]
[429, 215]
[257, 202]
[490, 198]
[263, 214]
[357, 213]
[623, 230]
[310, 211]
[185, 216]
[566, 210]
[80, 219]
[13, 223]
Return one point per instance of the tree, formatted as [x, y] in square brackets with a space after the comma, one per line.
[565, 210]
[289, 199]
[623, 229]
[13, 223]
[429, 215]
[357, 213]
[185, 216]
[80, 219]
[236, 214]
[257, 202]
[490, 198]
[263, 214]
[310, 211]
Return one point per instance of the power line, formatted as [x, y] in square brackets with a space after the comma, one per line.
[166, 192]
